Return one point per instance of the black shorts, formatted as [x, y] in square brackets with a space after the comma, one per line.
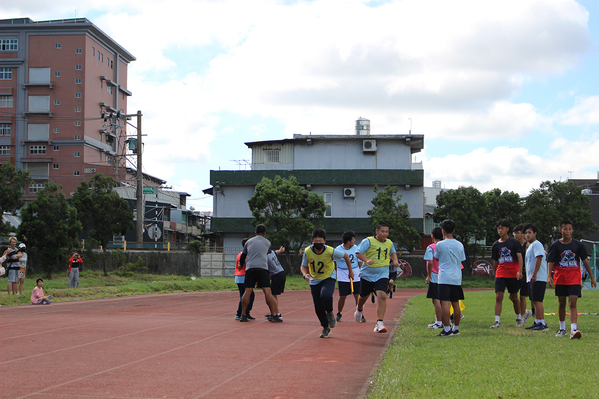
[345, 288]
[392, 275]
[524, 287]
[433, 291]
[451, 293]
[511, 283]
[368, 287]
[567, 290]
[537, 291]
[277, 283]
[260, 277]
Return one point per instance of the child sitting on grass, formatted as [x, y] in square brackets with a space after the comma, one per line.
[37, 296]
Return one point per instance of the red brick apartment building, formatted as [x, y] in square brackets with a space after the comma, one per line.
[56, 79]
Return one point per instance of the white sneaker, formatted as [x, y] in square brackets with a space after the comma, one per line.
[380, 327]
[358, 316]
[496, 325]
[561, 333]
[575, 334]
[519, 323]
[526, 315]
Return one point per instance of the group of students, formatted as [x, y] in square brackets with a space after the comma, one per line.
[360, 270]
[520, 264]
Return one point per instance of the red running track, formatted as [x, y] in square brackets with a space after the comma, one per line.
[188, 346]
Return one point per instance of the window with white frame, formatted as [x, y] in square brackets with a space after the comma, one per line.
[109, 88]
[56, 148]
[78, 67]
[77, 123]
[36, 187]
[77, 95]
[56, 130]
[4, 150]
[272, 155]
[328, 201]
[54, 166]
[6, 101]
[109, 159]
[5, 73]
[56, 102]
[77, 109]
[9, 44]
[77, 137]
[78, 81]
[57, 46]
[37, 150]
[76, 173]
[78, 51]
[5, 129]
[77, 154]
[56, 74]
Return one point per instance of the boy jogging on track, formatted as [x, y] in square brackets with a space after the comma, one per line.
[507, 265]
[318, 267]
[519, 234]
[375, 253]
[565, 256]
[432, 267]
[254, 256]
[536, 275]
[349, 247]
[450, 254]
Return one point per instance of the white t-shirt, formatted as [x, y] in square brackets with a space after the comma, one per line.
[450, 253]
[535, 250]
[342, 270]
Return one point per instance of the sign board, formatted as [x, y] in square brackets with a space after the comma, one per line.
[149, 190]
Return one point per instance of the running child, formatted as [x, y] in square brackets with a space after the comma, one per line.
[349, 247]
[450, 255]
[277, 279]
[318, 267]
[507, 265]
[565, 256]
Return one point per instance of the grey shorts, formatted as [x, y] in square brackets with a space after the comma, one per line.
[13, 276]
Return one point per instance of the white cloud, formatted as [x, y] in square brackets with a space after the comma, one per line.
[585, 112]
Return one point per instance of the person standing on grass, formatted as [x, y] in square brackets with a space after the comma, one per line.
[22, 266]
[536, 275]
[318, 267]
[507, 266]
[519, 234]
[375, 253]
[450, 255]
[75, 264]
[12, 255]
[432, 279]
[240, 281]
[254, 256]
[565, 256]
[349, 247]
[277, 278]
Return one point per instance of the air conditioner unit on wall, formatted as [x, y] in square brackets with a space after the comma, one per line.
[349, 193]
[369, 145]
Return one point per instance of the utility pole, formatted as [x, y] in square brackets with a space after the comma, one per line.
[140, 184]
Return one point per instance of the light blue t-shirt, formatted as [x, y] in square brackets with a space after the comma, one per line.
[369, 273]
[337, 255]
[342, 270]
[535, 250]
[428, 256]
[450, 253]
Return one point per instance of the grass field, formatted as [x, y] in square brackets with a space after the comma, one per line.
[508, 362]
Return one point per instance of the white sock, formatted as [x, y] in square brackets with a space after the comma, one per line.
[562, 325]
[518, 317]
[455, 328]
[573, 326]
[446, 328]
[497, 319]
[542, 321]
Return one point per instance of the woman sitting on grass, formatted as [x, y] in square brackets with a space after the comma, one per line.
[37, 296]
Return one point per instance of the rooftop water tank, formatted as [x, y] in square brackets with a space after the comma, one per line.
[363, 127]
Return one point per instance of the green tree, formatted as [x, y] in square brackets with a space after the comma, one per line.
[12, 182]
[50, 224]
[501, 205]
[288, 210]
[102, 212]
[388, 208]
[466, 207]
[553, 202]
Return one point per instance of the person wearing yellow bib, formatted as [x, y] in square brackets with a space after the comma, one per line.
[318, 268]
[375, 253]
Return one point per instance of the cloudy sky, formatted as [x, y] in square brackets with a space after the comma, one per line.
[505, 92]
